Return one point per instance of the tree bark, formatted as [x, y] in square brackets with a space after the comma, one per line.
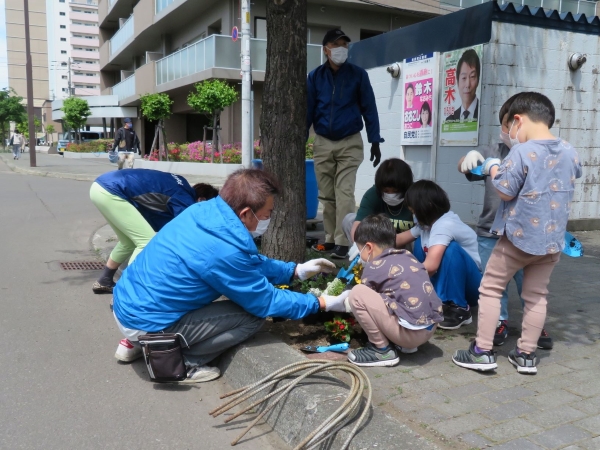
[283, 126]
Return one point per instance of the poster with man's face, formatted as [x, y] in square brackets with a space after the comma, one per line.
[461, 91]
[419, 77]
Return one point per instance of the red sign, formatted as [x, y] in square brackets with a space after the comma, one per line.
[234, 34]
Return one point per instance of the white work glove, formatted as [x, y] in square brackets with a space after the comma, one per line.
[353, 252]
[489, 163]
[314, 267]
[470, 161]
[337, 304]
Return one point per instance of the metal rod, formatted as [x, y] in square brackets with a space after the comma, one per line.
[29, 75]
[246, 87]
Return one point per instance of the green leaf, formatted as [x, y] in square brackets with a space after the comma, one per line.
[156, 107]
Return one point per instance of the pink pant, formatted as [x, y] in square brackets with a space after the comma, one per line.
[380, 325]
[504, 262]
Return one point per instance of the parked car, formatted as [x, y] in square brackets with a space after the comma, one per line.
[86, 136]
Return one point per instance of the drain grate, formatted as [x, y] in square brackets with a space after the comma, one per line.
[82, 265]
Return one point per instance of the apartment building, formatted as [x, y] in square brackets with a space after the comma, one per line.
[73, 43]
[149, 46]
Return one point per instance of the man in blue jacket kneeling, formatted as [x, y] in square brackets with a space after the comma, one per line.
[204, 253]
[339, 96]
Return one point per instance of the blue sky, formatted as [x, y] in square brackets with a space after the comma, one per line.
[3, 57]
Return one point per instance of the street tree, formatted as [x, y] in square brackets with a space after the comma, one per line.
[156, 108]
[23, 126]
[211, 98]
[11, 110]
[50, 132]
[76, 111]
[283, 127]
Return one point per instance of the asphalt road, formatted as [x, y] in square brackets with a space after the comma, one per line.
[60, 386]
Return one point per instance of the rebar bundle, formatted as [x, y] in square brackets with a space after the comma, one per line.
[327, 429]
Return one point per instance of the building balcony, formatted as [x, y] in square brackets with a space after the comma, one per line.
[121, 37]
[85, 54]
[83, 17]
[163, 4]
[87, 91]
[84, 29]
[220, 52]
[84, 42]
[86, 67]
[84, 79]
[590, 9]
[125, 88]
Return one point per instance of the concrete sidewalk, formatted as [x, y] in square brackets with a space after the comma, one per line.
[56, 166]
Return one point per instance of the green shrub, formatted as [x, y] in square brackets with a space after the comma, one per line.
[100, 145]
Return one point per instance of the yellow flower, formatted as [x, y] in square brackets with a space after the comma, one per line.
[282, 286]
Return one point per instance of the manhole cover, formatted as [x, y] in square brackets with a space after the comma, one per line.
[82, 265]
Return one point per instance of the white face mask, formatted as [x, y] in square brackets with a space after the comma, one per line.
[261, 228]
[362, 261]
[338, 55]
[392, 199]
[514, 141]
[505, 138]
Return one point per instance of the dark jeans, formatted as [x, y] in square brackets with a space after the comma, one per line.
[211, 330]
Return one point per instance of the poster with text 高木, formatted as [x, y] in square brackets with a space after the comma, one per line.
[419, 76]
[461, 93]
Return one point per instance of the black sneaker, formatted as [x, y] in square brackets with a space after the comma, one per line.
[545, 341]
[102, 289]
[525, 363]
[501, 332]
[326, 247]
[340, 252]
[476, 361]
[455, 317]
[371, 356]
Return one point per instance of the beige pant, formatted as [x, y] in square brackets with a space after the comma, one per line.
[380, 324]
[336, 164]
[504, 262]
[126, 160]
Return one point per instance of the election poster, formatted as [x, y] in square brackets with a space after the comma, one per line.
[419, 76]
[461, 91]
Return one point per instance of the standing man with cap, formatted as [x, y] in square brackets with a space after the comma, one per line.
[340, 96]
[127, 143]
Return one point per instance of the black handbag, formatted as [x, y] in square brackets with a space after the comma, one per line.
[163, 355]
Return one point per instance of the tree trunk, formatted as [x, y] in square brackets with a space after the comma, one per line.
[283, 126]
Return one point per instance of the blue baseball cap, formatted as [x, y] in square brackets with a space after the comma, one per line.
[126, 120]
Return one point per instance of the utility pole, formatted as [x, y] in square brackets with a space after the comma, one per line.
[29, 75]
[247, 144]
[69, 69]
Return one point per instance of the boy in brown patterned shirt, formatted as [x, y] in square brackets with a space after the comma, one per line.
[395, 301]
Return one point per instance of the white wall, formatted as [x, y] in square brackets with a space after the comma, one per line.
[518, 59]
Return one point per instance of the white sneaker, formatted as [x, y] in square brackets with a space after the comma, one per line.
[201, 374]
[407, 350]
[127, 352]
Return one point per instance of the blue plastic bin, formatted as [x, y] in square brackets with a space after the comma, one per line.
[312, 192]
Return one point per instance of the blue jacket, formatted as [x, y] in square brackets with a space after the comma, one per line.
[337, 103]
[202, 254]
[158, 196]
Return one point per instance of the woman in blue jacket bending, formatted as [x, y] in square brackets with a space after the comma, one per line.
[205, 253]
[137, 204]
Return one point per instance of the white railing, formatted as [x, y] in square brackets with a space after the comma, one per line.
[122, 36]
[563, 6]
[111, 3]
[162, 4]
[218, 51]
[125, 88]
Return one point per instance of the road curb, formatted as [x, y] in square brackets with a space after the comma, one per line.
[70, 176]
[309, 404]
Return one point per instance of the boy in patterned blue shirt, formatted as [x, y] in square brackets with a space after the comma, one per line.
[535, 182]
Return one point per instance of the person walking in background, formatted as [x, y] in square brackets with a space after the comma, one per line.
[16, 141]
[127, 143]
[340, 96]
[535, 182]
[137, 204]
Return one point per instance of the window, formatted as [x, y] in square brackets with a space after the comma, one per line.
[61, 1]
[63, 27]
[63, 52]
[91, 87]
[65, 89]
[63, 39]
[61, 14]
[63, 64]
[64, 77]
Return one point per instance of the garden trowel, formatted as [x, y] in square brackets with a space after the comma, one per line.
[346, 275]
[573, 247]
[328, 348]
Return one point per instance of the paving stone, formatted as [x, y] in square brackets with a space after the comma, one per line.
[589, 405]
[463, 424]
[556, 416]
[591, 444]
[468, 390]
[507, 381]
[423, 386]
[509, 394]
[462, 377]
[541, 386]
[581, 364]
[561, 436]
[396, 377]
[591, 424]
[553, 399]
[514, 427]
[405, 405]
[585, 389]
[518, 444]
[458, 407]
[429, 416]
[474, 440]
[509, 410]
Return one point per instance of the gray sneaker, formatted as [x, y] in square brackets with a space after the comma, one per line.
[475, 361]
[200, 374]
[371, 356]
[525, 363]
